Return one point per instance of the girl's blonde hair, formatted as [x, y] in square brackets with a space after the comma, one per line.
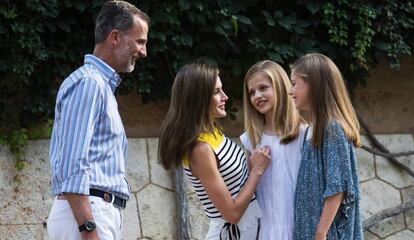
[329, 99]
[286, 118]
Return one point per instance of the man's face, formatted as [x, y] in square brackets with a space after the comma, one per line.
[132, 46]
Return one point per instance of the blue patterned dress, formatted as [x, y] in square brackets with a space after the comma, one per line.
[324, 172]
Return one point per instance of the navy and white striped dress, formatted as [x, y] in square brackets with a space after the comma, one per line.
[233, 169]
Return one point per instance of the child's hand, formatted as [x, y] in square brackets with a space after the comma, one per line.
[320, 235]
[259, 160]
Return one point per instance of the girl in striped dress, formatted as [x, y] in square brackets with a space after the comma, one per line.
[215, 166]
[270, 118]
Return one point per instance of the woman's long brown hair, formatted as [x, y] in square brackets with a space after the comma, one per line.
[329, 99]
[188, 114]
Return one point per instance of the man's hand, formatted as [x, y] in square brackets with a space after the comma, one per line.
[90, 235]
[82, 211]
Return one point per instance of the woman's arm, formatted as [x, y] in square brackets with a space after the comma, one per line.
[330, 208]
[204, 166]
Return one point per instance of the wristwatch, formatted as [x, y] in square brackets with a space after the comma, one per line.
[88, 226]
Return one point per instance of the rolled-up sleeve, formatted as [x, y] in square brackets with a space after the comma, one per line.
[339, 162]
[338, 166]
[78, 107]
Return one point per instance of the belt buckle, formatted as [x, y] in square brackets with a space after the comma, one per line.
[108, 197]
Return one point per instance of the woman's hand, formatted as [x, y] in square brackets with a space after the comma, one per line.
[259, 160]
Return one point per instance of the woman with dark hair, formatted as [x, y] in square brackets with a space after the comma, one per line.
[216, 166]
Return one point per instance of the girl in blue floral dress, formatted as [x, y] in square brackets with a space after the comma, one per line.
[327, 193]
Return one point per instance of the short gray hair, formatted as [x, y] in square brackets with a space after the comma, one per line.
[117, 15]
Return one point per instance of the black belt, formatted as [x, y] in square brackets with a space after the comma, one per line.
[107, 197]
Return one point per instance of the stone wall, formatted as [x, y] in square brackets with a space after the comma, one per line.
[151, 214]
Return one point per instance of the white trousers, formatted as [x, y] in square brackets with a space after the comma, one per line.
[61, 224]
[248, 224]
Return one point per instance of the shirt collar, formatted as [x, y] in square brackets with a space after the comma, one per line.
[107, 71]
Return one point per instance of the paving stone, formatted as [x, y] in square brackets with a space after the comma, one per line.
[18, 232]
[137, 164]
[158, 174]
[403, 235]
[387, 171]
[373, 200]
[132, 227]
[408, 195]
[389, 226]
[366, 169]
[158, 213]
[25, 201]
[409, 218]
[370, 236]
[197, 218]
[25, 197]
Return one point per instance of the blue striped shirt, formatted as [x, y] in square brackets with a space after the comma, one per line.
[88, 146]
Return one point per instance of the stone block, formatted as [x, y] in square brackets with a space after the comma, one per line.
[385, 170]
[370, 236]
[197, 218]
[366, 168]
[409, 218]
[25, 197]
[158, 175]
[18, 232]
[157, 211]
[137, 166]
[408, 195]
[403, 235]
[132, 227]
[373, 200]
[389, 226]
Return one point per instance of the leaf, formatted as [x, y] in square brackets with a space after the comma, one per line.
[187, 40]
[266, 14]
[274, 56]
[312, 6]
[288, 21]
[220, 30]
[278, 14]
[244, 19]
[81, 5]
[184, 5]
[382, 45]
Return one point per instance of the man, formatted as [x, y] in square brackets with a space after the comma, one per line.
[88, 145]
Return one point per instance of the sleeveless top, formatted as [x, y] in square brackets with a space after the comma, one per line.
[232, 168]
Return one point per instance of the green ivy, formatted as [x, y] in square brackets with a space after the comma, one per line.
[43, 41]
[18, 139]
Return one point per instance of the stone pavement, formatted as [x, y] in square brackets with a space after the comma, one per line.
[151, 213]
